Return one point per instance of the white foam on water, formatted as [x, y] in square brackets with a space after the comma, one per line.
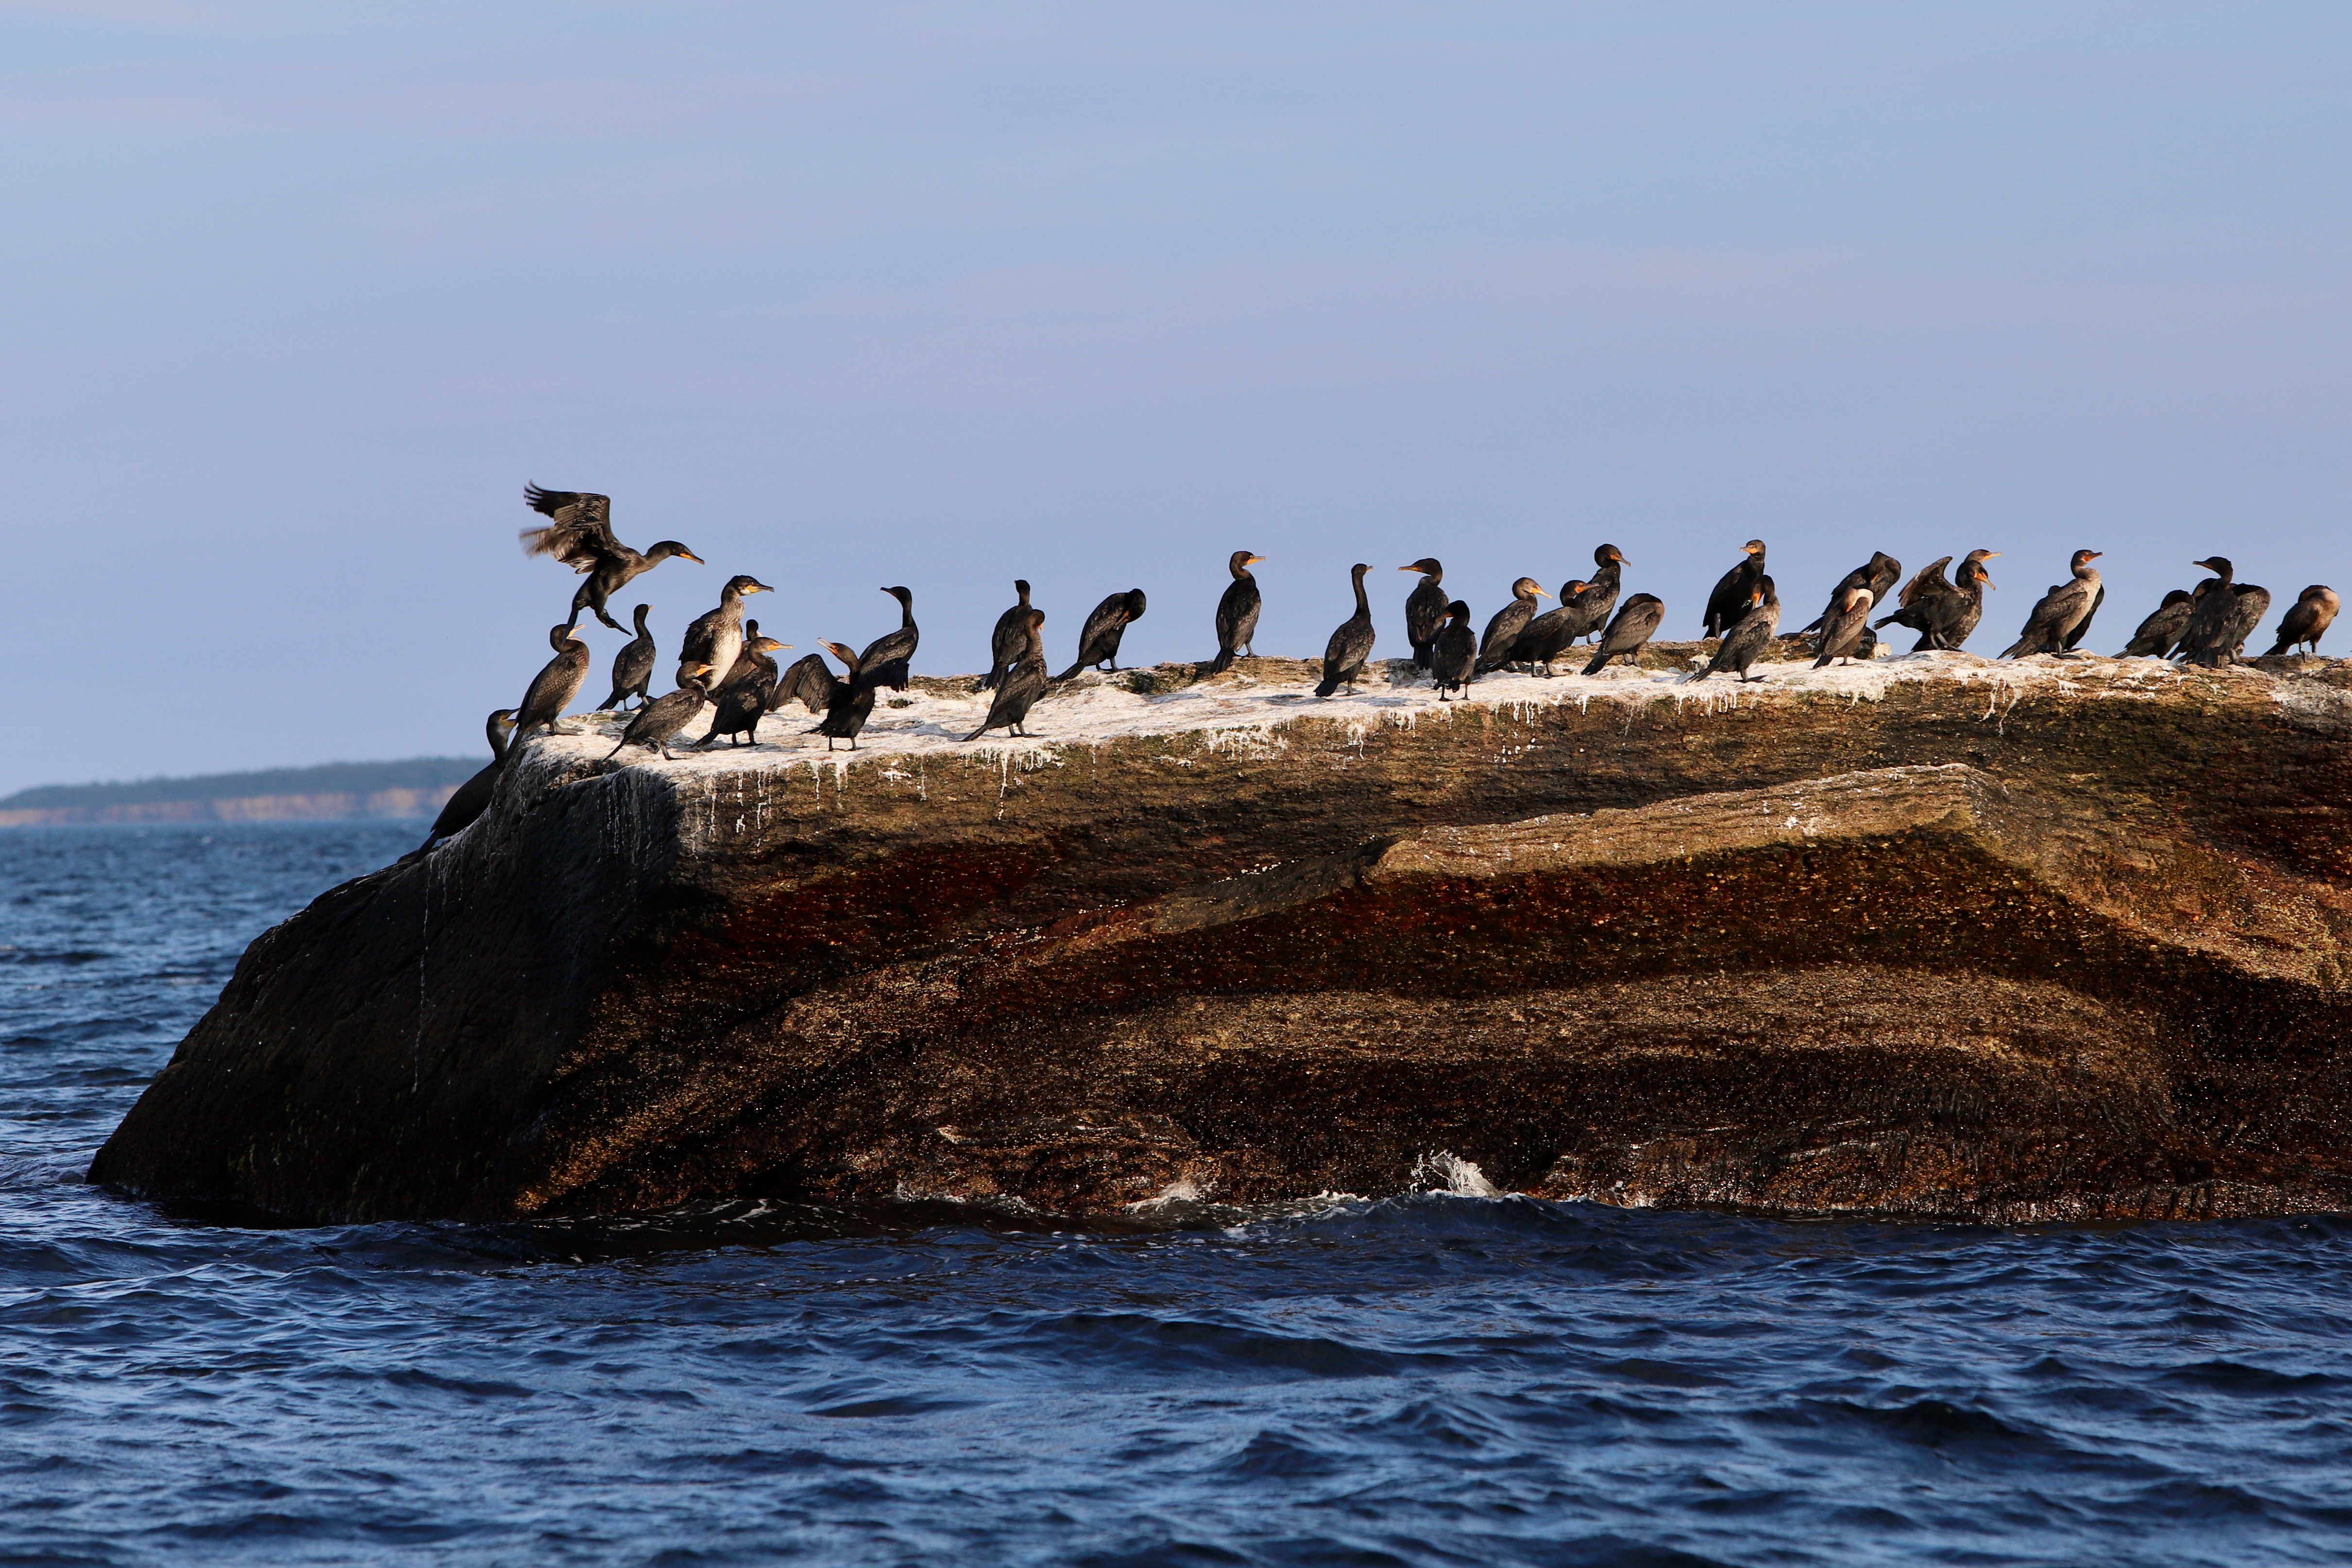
[1448, 1173]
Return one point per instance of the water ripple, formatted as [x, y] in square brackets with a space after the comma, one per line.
[1433, 1380]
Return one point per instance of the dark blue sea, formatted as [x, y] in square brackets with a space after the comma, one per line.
[1430, 1379]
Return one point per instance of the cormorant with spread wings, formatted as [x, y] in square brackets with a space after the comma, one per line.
[580, 535]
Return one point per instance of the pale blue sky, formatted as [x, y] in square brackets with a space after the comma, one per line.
[1095, 294]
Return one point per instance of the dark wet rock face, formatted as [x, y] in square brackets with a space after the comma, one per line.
[2005, 945]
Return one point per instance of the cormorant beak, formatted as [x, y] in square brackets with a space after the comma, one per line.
[1618, 559]
[1541, 594]
[1254, 560]
[690, 555]
[1408, 568]
[2093, 556]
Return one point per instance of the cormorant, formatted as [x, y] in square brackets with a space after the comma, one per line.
[1022, 684]
[1942, 613]
[2056, 611]
[2074, 637]
[633, 666]
[1927, 585]
[1106, 624]
[1878, 574]
[580, 536]
[2207, 638]
[1503, 631]
[1749, 636]
[657, 723]
[749, 692]
[1005, 643]
[473, 797]
[2252, 605]
[2307, 622]
[716, 636]
[1454, 657]
[1630, 627]
[887, 657]
[557, 683]
[850, 702]
[1599, 594]
[1735, 591]
[809, 681]
[1237, 611]
[1548, 635]
[1843, 629]
[1344, 655]
[1424, 609]
[2162, 631]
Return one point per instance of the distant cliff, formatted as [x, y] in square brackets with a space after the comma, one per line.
[415, 788]
[1928, 936]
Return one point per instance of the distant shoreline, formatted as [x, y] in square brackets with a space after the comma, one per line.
[409, 790]
[379, 806]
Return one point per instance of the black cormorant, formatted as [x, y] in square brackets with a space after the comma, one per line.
[2076, 635]
[1022, 684]
[557, 683]
[1735, 591]
[1878, 574]
[657, 723]
[1237, 610]
[1350, 644]
[2162, 631]
[1749, 636]
[887, 659]
[748, 692]
[472, 797]
[1943, 613]
[2313, 613]
[808, 681]
[2252, 605]
[716, 636]
[1106, 624]
[1005, 643]
[1424, 609]
[580, 535]
[633, 666]
[1454, 657]
[2206, 641]
[1927, 585]
[1843, 629]
[1598, 597]
[1504, 628]
[2056, 611]
[1633, 625]
[850, 702]
[1953, 618]
[1548, 635]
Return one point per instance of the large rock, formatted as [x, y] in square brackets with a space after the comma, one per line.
[1927, 936]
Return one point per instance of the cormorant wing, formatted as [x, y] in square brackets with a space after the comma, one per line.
[581, 532]
[1929, 578]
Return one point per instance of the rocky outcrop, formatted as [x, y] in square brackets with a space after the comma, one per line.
[1927, 936]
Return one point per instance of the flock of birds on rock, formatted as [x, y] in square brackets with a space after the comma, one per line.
[725, 663]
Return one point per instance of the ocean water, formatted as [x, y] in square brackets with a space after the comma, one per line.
[1427, 1379]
